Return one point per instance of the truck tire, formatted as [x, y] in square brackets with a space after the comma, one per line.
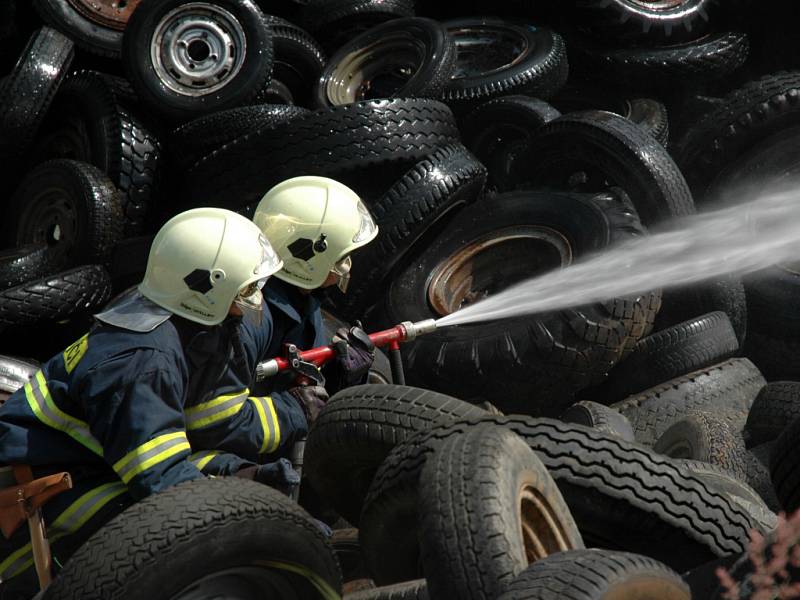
[299, 60]
[783, 467]
[24, 263]
[357, 429]
[775, 407]
[98, 30]
[219, 537]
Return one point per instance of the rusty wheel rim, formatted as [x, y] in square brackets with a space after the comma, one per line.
[491, 264]
[113, 14]
[542, 531]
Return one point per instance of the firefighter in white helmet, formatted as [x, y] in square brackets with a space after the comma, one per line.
[314, 224]
[157, 392]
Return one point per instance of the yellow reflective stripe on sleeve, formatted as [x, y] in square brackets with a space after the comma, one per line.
[150, 454]
[71, 520]
[269, 424]
[202, 458]
[74, 353]
[45, 409]
[218, 409]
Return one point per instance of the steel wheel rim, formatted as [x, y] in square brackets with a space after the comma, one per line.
[50, 218]
[477, 47]
[482, 268]
[658, 5]
[197, 49]
[542, 533]
[113, 14]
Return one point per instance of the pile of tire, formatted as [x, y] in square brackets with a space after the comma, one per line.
[489, 149]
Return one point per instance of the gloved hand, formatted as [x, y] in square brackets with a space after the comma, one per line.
[279, 475]
[355, 354]
[311, 398]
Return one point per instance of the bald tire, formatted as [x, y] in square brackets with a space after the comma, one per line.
[408, 590]
[728, 389]
[170, 540]
[621, 495]
[488, 508]
[357, 429]
[597, 575]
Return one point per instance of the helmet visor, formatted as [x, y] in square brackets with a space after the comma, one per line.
[250, 300]
[270, 261]
[342, 271]
[367, 229]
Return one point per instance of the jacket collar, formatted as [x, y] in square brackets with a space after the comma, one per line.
[279, 294]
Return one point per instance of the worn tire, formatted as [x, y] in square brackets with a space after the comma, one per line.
[24, 263]
[408, 590]
[167, 542]
[757, 476]
[56, 296]
[596, 575]
[530, 365]
[193, 141]
[492, 129]
[606, 148]
[622, 496]
[775, 407]
[75, 197]
[413, 208]
[88, 34]
[721, 480]
[30, 88]
[705, 437]
[299, 60]
[91, 122]
[359, 426]
[332, 142]
[728, 389]
[694, 344]
[373, 56]
[599, 417]
[783, 467]
[158, 93]
[778, 358]
[488, 508]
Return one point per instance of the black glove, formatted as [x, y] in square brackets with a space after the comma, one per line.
[279, 475]
[355, 354]
[311, 398]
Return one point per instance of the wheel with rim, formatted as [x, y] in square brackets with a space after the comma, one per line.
[187, 58]
[24, 263]
[95, 25]
[411, 57]
[496, 57]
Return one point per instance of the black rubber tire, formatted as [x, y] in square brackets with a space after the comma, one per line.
[663, 68]
[165, 543]
[430, 59]
[596, 574]
[416, 205]
[478, 531]
[90, 123]
[77, 198]
[15, 372]
[777, 405]
[725, 294]
[758, 477]
[539, 70]
[359, 426]
[24, 263]
[87, 34]
[335, 22]
[728, 389]
[783, 467]
[195, 140]
[609, 150]
[299, 60]
[381, 371]
[664, 355]
[532, 365]
[771, 300]
[330, 142]
[747, 117]
[600, 417]
[649, 22]
[56, 296]
[154, 93]
[705, 437]
[778, 359]
[30, 88]
[621, 495]
[494, 127]
[408, 590]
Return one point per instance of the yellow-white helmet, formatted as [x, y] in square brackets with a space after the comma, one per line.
[202, 259]
[314, 223]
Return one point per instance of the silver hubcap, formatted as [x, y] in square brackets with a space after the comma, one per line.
[198, 48]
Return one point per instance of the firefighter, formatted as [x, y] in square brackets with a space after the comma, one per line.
[158, 391]
[314, 224]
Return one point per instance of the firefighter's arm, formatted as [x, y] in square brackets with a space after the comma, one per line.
[133, 403]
